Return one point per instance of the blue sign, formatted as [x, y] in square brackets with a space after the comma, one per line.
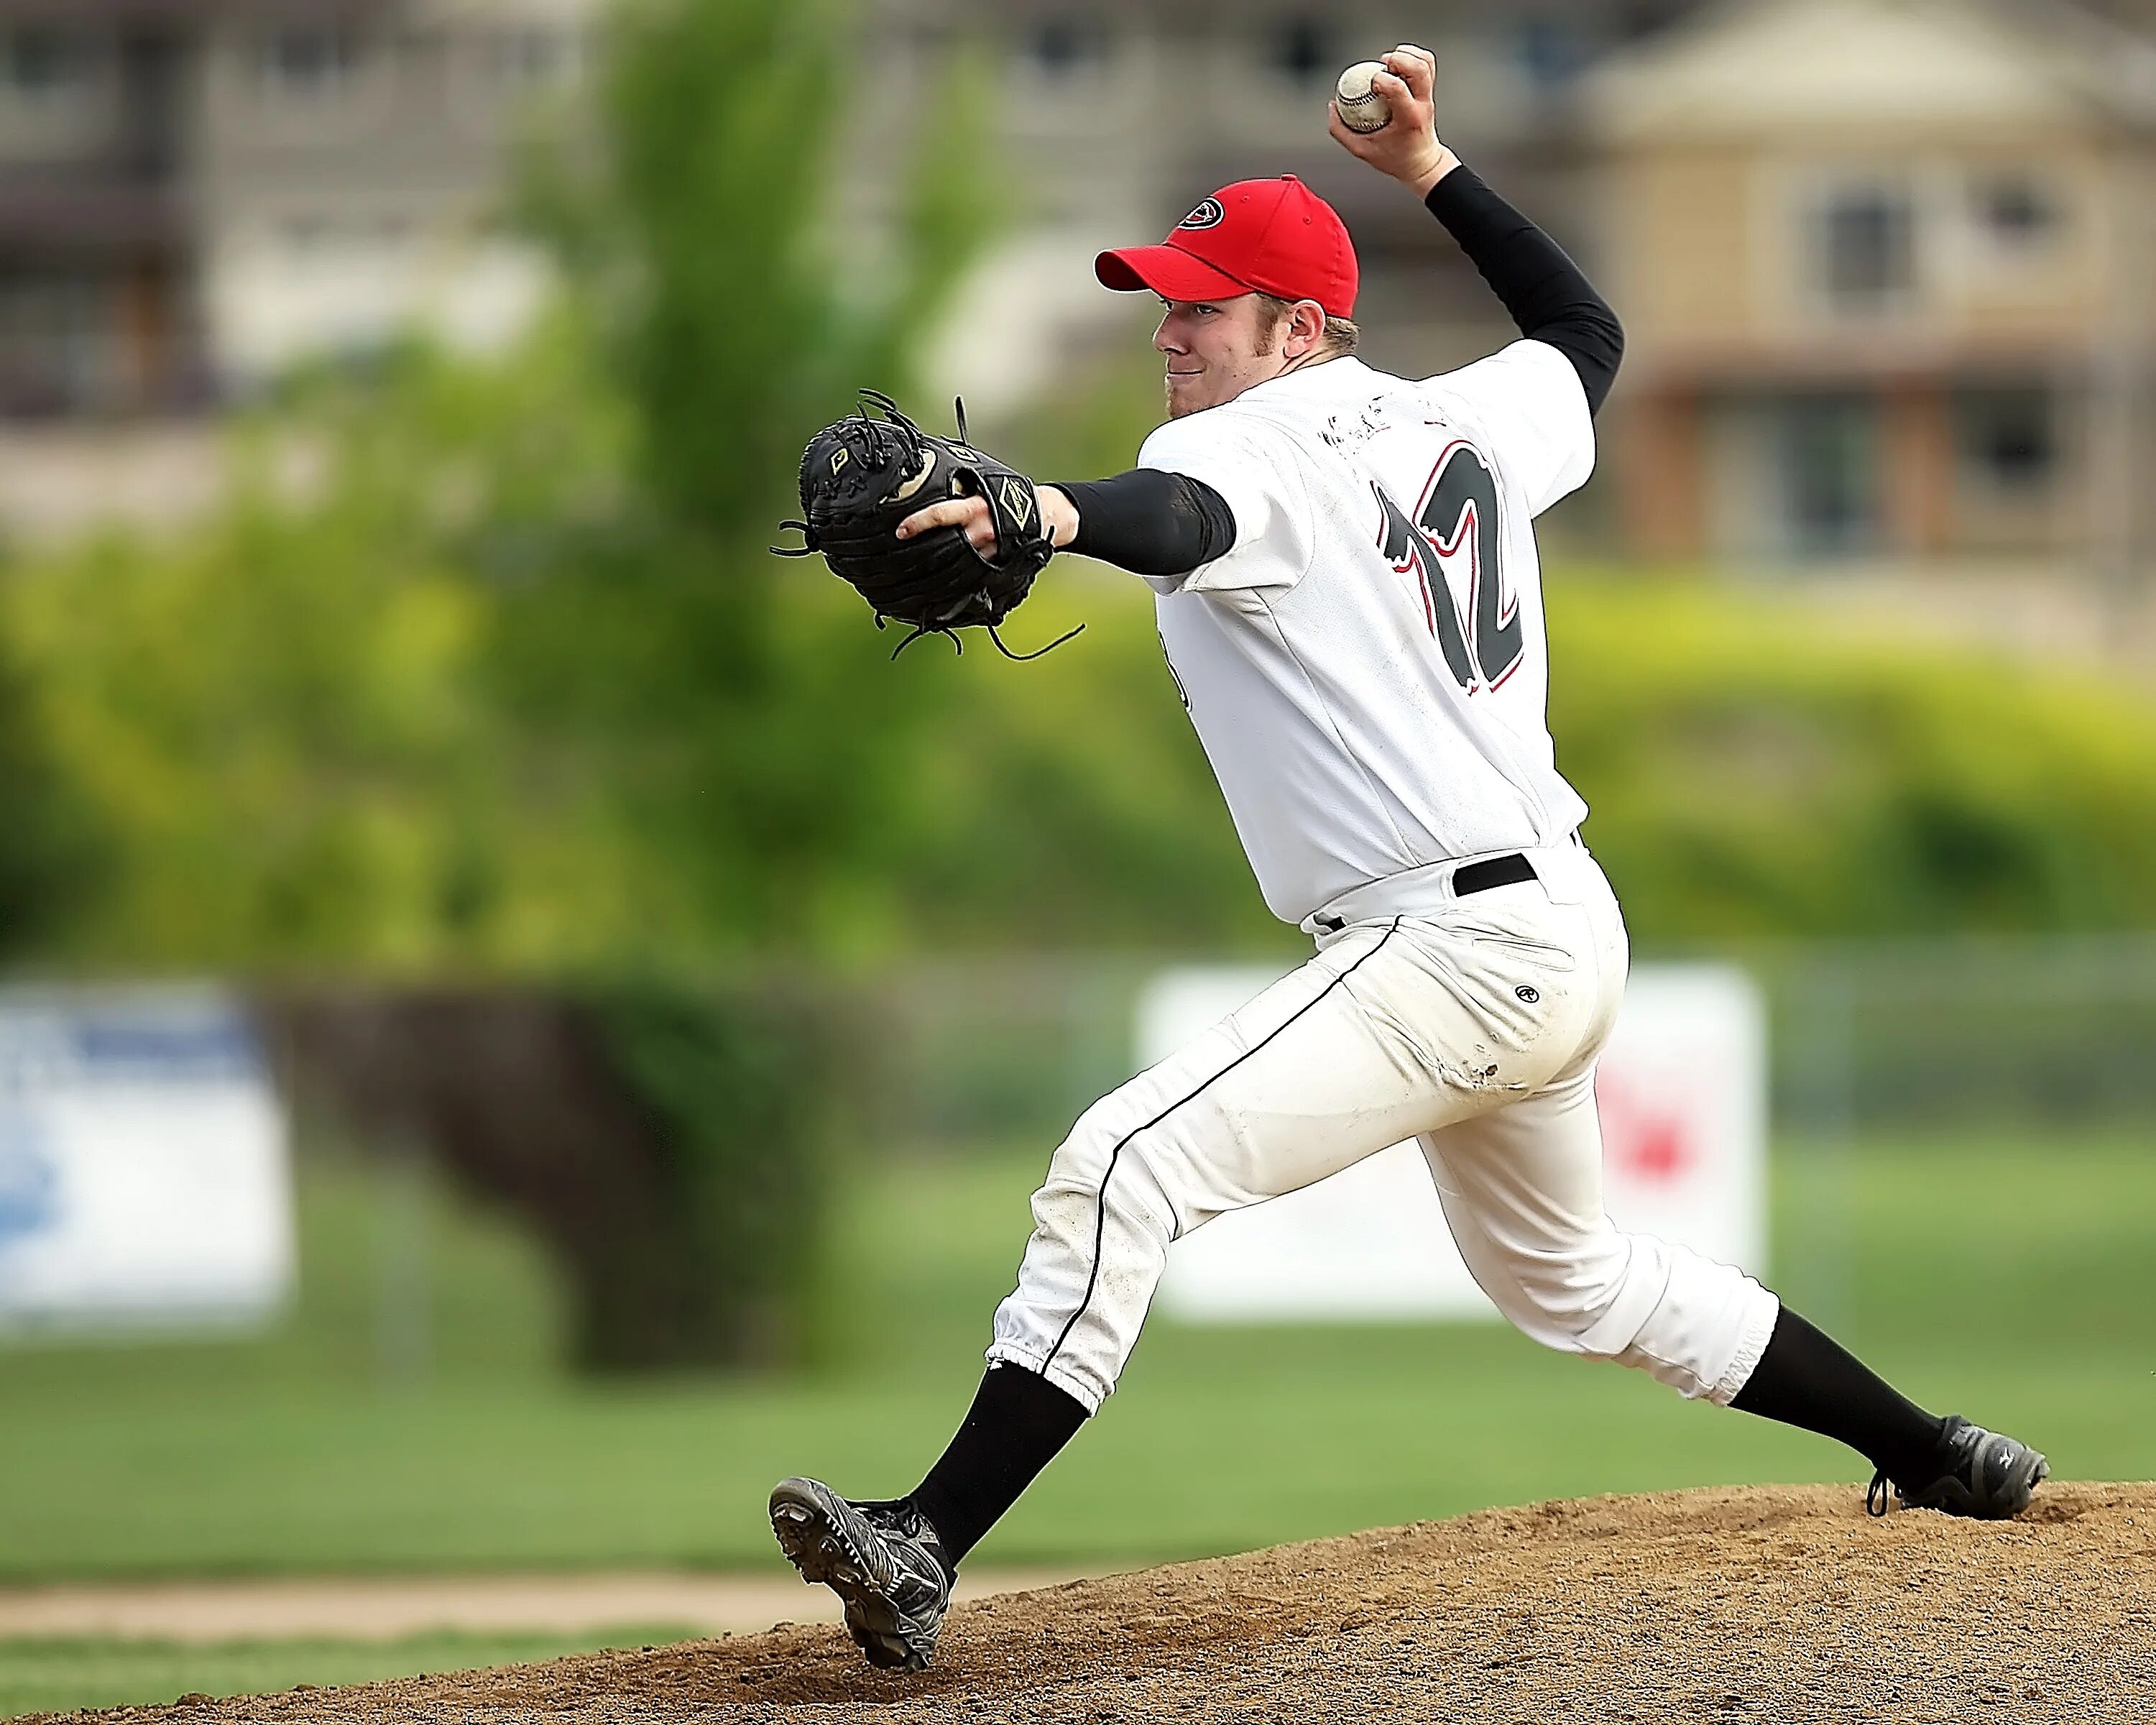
[144, 1178]
[29, 1183]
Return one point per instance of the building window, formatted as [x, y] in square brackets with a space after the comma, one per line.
[46, 63]
[313, 236]
[528, 58]
[1066, 44]
[415, 47]
[1303, 51]
[305, 236]
[308, 63]
[1550, 51]
[2007, 442]
[1864, 248]
[2017, 213]
[1829, 462]
[60, 344]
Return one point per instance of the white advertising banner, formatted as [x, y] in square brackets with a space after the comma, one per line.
[1682, 1091]
[144, 1178]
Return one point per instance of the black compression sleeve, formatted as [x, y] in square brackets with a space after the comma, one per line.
[1544, 289]
[1150, 523]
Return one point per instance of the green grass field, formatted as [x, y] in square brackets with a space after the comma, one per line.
[2003, 1276]
[59, 1676]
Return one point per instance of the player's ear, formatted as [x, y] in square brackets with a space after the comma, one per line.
[1305, 327]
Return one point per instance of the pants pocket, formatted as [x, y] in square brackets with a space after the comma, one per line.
[1510, 945]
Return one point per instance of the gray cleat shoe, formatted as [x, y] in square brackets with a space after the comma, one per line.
[882, 1559]
[1975, 1472]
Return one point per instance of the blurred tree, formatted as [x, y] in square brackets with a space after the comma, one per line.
[753, 734]
[485, 664]
[666, 1142]
[279, 717]
[1071, 803]
[52, 853]
[1755, 767]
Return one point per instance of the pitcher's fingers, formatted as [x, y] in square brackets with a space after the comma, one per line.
[951, 512]
[1416, 67]
[1409, 72]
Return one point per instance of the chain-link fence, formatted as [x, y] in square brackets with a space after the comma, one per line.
[1917, 1036]
[2001, 1059]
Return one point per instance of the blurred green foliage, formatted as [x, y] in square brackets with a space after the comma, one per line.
[738, 1083]
[276, 722]
[51, 856]
[64, 1674]
[1757, 765]
[483, 666]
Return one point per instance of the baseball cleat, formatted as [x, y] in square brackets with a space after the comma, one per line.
[881, 1558]
[1983, 1474]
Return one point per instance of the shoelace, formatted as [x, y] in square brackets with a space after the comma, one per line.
[901, 1517]
[1878, 1495]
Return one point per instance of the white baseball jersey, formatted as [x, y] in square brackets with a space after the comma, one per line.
[1367, 668]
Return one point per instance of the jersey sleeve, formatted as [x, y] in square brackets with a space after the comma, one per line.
[1528, 401]
[1263, 492]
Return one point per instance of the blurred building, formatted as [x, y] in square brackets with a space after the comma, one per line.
[194, 193]
[1118, 115]
[1886, 265]
[1888, 269]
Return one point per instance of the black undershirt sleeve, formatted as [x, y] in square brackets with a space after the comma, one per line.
[1544, 289]
[1150, 521]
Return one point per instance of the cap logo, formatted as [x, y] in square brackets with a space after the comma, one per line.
[1207, 214]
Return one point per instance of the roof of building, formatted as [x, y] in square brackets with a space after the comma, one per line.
[1761, 67]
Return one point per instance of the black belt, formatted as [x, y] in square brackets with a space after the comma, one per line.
[1512, 870]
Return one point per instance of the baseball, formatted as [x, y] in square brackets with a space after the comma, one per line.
[1361, 108]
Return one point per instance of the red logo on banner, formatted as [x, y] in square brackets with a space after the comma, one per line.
[1649, 1144]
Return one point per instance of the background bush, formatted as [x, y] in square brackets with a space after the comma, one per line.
[738, 1084]
[666, 1141]
[1757, 765]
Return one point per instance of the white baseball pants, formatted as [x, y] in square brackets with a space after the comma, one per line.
[1470, 1024]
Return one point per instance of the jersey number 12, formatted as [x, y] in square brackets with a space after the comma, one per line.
[1457, 513]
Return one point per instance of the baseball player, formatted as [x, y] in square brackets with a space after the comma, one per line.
[1349, 598]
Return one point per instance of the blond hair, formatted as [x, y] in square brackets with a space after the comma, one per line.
[1337, 340]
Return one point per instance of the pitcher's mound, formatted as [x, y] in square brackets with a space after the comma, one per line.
[1765, 1603]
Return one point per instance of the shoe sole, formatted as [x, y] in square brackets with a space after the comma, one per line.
[806, 1519]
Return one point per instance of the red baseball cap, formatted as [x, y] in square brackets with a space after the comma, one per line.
[1266, 236]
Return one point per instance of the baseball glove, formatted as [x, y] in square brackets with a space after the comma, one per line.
[863, 475]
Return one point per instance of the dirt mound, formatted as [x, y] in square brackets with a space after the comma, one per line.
[1765, 1603]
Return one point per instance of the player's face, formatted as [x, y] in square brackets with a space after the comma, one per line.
[1215, 350]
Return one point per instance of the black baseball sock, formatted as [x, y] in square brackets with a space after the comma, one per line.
[1806, 1379]
[1018, 1422]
